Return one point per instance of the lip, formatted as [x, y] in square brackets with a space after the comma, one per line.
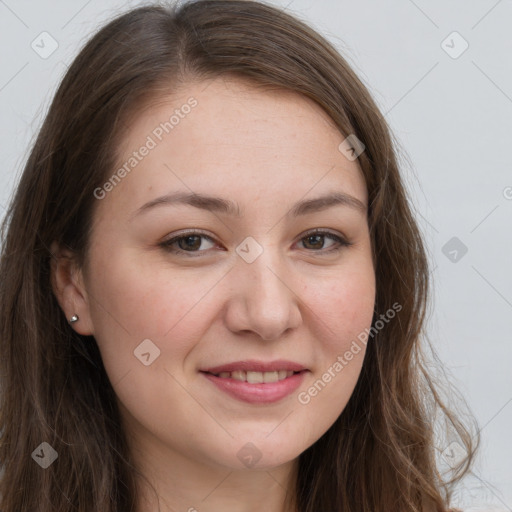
[261, 393]
[264, 393]
[256, 366]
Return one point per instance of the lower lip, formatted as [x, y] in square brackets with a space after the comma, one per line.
[263, 393]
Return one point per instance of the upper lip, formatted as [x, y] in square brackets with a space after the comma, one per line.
[256, 366]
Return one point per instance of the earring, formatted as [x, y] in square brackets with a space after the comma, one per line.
[73, 319]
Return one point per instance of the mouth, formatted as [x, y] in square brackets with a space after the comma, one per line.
[254, 377]
[257, 382]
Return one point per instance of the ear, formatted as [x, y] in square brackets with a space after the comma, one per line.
[69, 289]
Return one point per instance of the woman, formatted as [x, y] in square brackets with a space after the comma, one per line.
[213, 287]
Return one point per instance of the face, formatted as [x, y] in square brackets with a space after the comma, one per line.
[220, 319]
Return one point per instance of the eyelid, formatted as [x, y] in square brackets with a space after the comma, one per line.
[341, 239]
[325, 231]
[167, 243]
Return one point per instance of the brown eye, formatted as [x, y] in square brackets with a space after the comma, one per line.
[193, 243]
[316, 241]
[188, 243]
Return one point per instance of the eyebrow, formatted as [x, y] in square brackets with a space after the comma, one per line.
[227, 207]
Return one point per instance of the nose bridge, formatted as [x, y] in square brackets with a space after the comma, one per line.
[263, 281]
[264, 300]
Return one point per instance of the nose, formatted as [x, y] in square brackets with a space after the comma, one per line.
[263, 298]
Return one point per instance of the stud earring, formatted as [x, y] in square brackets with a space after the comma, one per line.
[73, 319]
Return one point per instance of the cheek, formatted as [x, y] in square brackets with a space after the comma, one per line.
[345, 310]
[346, 307]
[134, 302]
[143, 299]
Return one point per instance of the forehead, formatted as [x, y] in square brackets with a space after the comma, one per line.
[233, 138]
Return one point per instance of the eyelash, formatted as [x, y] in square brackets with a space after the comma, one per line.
[167, 244]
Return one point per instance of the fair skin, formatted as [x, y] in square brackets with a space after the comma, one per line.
[299, 300]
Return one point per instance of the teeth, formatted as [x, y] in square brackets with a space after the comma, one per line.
[269, 377]
[256, 377]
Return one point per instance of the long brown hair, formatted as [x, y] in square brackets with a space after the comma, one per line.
[380, 454]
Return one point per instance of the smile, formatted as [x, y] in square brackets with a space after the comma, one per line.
[253, 377]
[256, 382]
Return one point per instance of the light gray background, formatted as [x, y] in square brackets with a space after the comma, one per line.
[452, 116]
